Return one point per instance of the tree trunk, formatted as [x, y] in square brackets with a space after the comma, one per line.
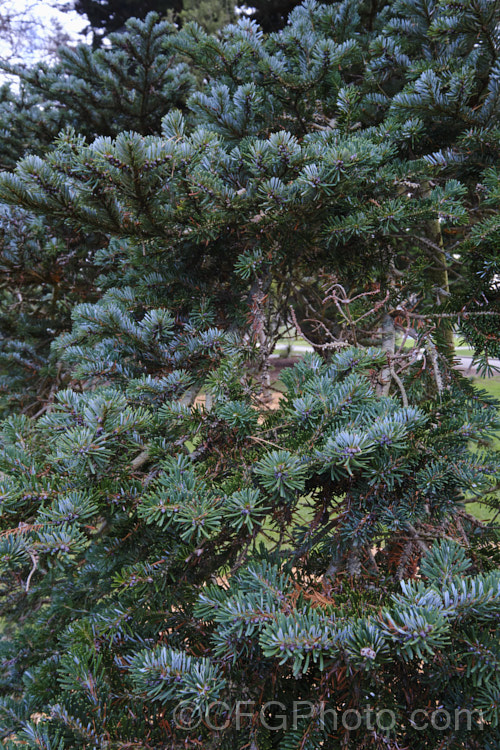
[437, 273]
[388, 345]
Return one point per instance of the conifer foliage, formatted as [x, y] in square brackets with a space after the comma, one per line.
[47, 267]
[180, 564]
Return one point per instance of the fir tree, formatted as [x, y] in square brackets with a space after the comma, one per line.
[151, 557]
[129, 85]
[211, 15]
[46, 268]
[109, 16]
[170, 542]
[271, 15]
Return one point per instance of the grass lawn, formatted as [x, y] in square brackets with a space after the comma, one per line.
[491, 386]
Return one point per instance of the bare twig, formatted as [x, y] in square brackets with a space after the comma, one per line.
[431, 348]
[400, 385]
[34, 560]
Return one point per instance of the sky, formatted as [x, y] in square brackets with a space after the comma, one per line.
[29, 36]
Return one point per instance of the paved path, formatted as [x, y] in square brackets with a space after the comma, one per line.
[465, 364]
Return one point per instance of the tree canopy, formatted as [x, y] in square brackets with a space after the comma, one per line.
[172, 548]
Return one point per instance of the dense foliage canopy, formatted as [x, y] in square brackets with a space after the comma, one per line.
[169, 541]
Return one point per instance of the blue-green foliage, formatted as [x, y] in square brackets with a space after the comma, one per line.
[169, 540]
[167, 588]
